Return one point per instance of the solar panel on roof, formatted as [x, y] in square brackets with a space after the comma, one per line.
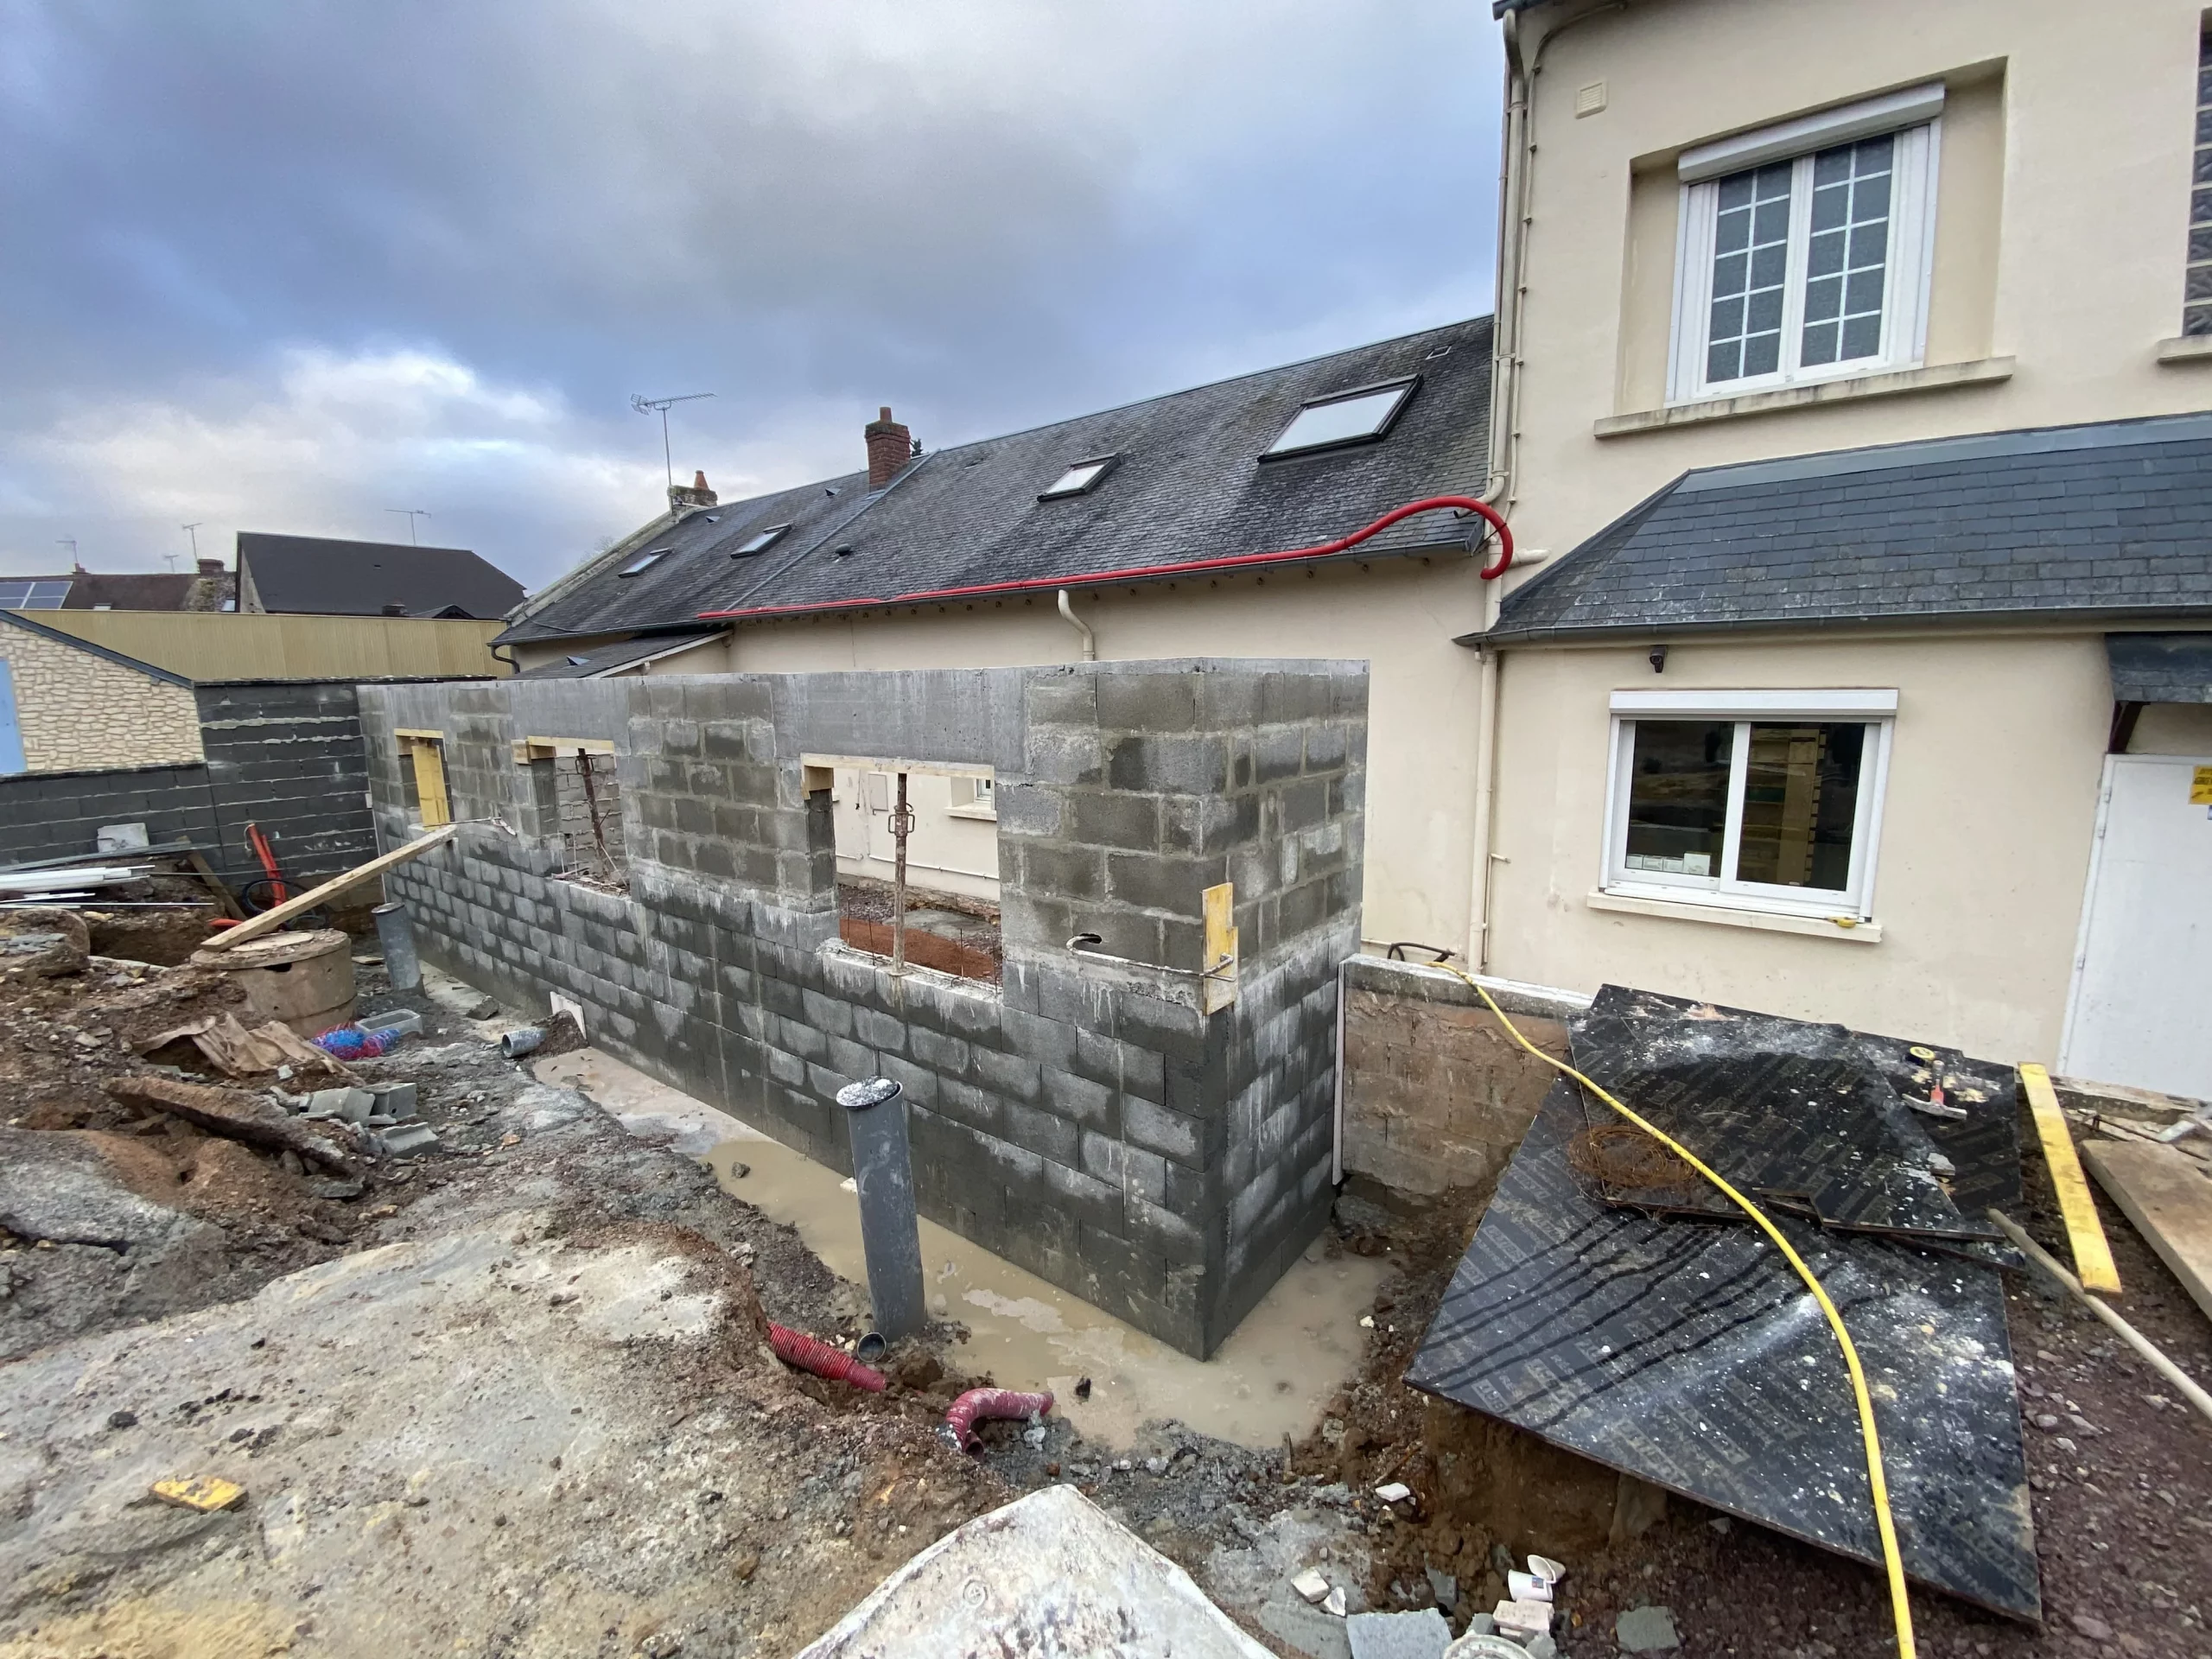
[33, 595]
[1357, 416]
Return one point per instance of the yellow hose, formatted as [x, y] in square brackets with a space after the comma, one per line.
[1892, 1562]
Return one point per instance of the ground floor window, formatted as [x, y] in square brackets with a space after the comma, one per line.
[1763, 800]
[422, 776]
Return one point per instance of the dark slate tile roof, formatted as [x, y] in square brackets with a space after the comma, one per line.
[313, 576]
[584, 662]
[2111, 521]
[1188, 486]
[2160, 667]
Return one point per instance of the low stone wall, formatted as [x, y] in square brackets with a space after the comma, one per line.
[1437, 1097]
[1085, 1119]
[81, 710]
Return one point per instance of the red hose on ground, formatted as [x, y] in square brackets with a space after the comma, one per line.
[797, 1348]
[1491, 572]
[960, 1416]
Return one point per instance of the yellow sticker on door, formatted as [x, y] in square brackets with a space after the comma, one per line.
[2200, 786]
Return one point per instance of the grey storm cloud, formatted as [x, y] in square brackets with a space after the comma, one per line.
[288, 264]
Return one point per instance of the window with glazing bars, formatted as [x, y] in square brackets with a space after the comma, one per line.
[2197, 308]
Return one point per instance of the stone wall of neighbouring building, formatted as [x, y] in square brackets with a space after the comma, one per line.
[1086, 1120]
[1436, 1096]
[80, 709]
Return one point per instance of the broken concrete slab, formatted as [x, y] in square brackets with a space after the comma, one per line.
[1048, 1575]
[2168, 1196]
[1646, 1629]
[1423, 1635]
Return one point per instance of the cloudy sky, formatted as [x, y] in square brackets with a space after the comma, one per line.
[285, 264]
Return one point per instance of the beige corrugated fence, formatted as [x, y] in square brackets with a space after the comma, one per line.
[206, 645]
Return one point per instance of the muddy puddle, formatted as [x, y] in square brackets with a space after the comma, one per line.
[1269, 1379]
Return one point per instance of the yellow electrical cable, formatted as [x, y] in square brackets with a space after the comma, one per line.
[1893, 1562]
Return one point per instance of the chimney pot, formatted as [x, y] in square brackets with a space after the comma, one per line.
[684, 497]
[890, 449]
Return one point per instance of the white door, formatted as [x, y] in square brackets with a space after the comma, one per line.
[2143, 969]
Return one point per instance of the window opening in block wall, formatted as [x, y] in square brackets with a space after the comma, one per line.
[951, 875]
[580, 800]
[2196, 311]
[422, 776]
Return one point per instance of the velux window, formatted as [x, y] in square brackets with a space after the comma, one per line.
[1805, 249]
[1755, 800]
[1080, 478]
[759, 542]
[643, 562]
[1359, 415]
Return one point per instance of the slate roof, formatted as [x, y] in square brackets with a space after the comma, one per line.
[2102, 523]
[1188, 486]
[587, 664]
[2160, 667]
[316, 576]
[140, 590]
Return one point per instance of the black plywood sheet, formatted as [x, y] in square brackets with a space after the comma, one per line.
[1688, 1353]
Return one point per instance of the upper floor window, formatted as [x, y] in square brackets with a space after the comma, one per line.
[2197, 311]
[1805, 249]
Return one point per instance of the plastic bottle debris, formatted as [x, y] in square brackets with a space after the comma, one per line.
[1525, 1586]
[1542, 1566]
[352, 1042]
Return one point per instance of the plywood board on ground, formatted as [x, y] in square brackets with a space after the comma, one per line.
[2168, 1195]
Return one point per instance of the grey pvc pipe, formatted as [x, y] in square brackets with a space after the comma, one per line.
[396, 937]
[891, 1236]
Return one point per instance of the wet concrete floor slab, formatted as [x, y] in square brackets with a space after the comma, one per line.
[1271, 1378]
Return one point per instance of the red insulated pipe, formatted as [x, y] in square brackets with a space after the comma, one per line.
[797, 1348]
[960, 1416]
[1491, 572]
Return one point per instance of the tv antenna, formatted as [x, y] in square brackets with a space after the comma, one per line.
[645, 405]
[192, 530]
[413, 513]
[70, 542]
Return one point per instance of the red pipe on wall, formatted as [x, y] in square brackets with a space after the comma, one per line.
[797, 1348]
[960, 1416]
[1491, 572]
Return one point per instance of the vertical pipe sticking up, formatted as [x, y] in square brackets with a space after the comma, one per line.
[396, 937]
[902, 825]
[891, 1237]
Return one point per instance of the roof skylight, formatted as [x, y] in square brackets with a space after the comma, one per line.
[644, 562]
[760, 542]
[1359, 415]
[33, 595]
[1081, 477]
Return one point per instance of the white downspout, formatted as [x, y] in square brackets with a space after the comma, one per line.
[1089, 639]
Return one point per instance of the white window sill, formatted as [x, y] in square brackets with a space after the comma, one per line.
[980, 814]
[1768, 921]
[1941, 377]
[2186, 348]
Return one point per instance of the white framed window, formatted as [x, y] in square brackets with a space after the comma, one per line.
[1750, 800]
[974, 796]
[1805, 250]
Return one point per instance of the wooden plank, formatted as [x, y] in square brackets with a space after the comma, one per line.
[2169, 1197]
[1220, 962]
[270, 920]
[216, 885]
[2085, 1233]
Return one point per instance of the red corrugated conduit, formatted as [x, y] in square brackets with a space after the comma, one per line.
[960, 1416]
[797, 1348]
[1491, 571]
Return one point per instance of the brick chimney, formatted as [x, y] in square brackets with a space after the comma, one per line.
[682, 498]
[211, 566]
[890, 449]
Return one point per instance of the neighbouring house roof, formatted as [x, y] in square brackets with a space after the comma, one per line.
[2104, 523]
[313, 576]
[1187, 484]
[14, 619]
[133, 590]
[591, 663]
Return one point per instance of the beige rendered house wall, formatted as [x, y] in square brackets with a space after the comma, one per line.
[1983, 843]
[2061, 223]
[1400, 616]
[80, 712]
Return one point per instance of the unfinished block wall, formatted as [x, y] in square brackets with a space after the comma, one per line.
[1085, 1119]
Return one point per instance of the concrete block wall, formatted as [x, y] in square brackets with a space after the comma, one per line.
[1084, 1120]
[287, 755]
